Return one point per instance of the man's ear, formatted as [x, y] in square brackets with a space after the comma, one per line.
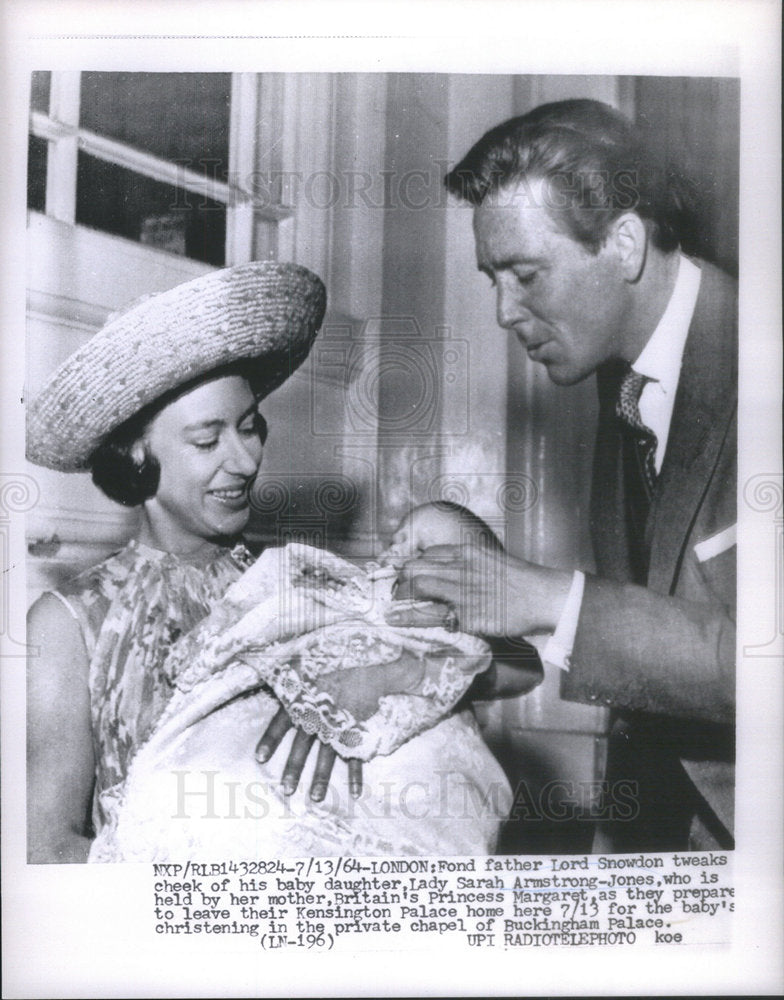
[629, 238]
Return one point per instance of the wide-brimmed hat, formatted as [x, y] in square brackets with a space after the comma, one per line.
[265, 313]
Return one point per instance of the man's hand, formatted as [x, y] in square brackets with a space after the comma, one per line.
[481, 590]
[300, 748]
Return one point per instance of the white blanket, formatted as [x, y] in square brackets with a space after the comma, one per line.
[195, 791]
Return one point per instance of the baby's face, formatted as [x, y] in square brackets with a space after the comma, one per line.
[427, 526]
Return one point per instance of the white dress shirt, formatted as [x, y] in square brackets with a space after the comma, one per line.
[660, 361]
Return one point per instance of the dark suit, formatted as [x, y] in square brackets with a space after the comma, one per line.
[663, 655]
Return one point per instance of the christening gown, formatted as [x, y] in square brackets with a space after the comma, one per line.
[184, 657]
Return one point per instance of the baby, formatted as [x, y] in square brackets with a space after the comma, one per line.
[516, 667]
[441, 522]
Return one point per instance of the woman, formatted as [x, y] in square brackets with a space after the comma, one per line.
[161, 406]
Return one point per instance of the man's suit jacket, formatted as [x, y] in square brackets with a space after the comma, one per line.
[668, 649]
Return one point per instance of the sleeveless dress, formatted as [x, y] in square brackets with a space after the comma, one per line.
[194, 789]
[130, 609]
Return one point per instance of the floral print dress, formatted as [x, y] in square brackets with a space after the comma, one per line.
[131, 608]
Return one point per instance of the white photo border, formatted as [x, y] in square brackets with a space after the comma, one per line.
[74, 931]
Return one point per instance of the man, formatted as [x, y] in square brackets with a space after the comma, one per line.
[580, 231]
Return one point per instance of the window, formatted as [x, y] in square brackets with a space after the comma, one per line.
[125, 203]
[179, 117]
[148, 157]
[37, 155]
[40, 88]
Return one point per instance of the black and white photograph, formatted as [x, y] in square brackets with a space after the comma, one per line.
[412, 430]
[387, 534]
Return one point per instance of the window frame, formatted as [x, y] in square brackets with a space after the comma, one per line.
[246, 217]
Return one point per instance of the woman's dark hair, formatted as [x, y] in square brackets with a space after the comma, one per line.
[115, 469]
[596, 165]
[119, 474]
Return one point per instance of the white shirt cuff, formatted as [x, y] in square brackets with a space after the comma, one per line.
[558, 651]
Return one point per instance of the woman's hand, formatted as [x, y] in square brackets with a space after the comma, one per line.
[298, 755]
[355, 689]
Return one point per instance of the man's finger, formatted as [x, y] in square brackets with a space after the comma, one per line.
[298, 754]
[354, 777]
[273, 734]
[443, 553]
[324, 764]
[439, 589]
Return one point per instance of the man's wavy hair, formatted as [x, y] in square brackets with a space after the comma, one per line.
[595, 165]
[116, 470]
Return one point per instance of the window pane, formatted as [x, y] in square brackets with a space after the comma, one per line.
[37, 154]
[119, 201]
[182, 117]
[40, 87]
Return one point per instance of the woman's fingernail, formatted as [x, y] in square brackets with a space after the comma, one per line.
[262, 753]
[355, 789]
[318, 792]
[288, 787]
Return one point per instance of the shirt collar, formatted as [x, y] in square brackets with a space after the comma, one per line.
[661, 357]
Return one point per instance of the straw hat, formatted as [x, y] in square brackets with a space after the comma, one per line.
[264, 312]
